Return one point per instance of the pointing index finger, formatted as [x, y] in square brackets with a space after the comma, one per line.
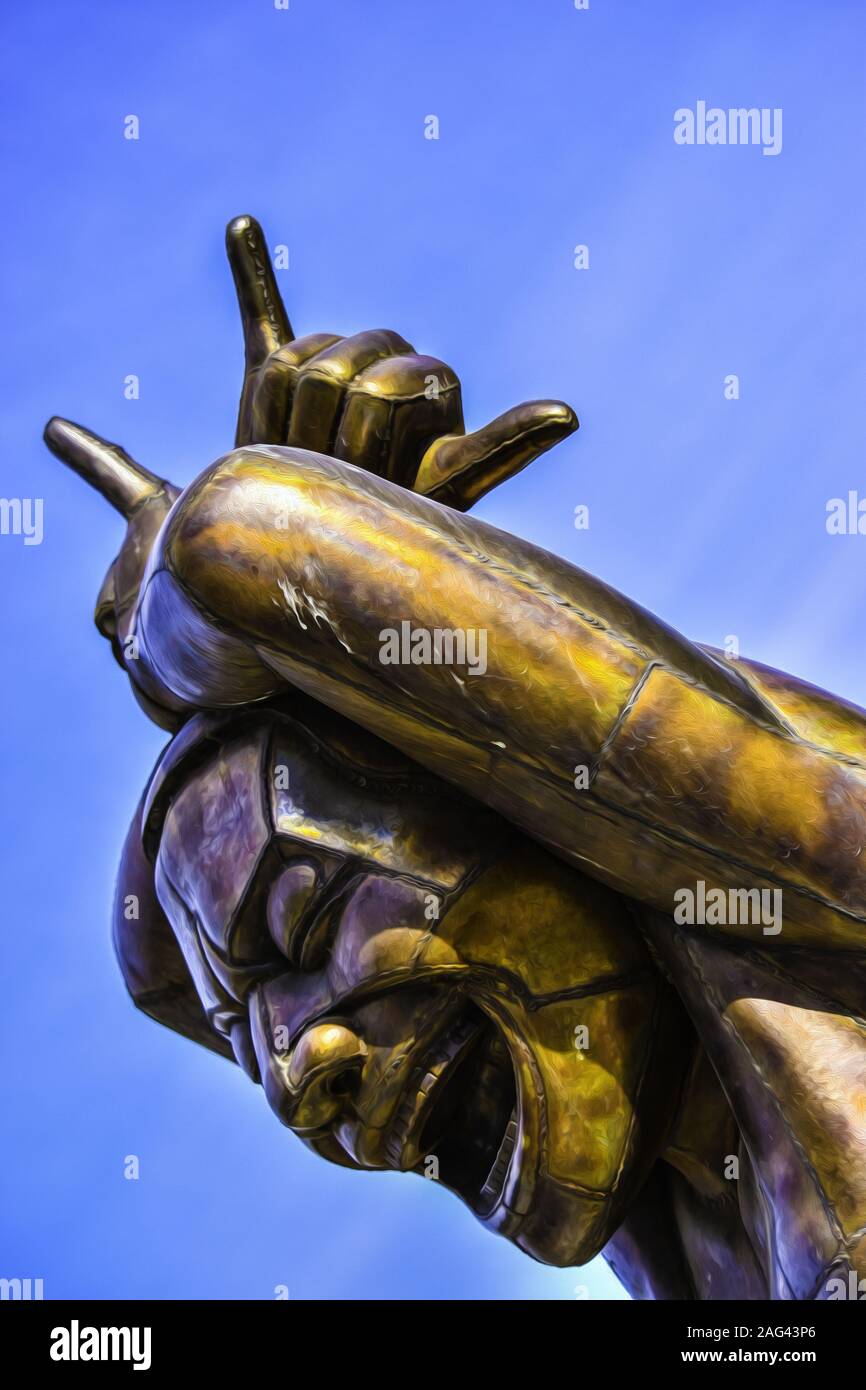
[265, 322]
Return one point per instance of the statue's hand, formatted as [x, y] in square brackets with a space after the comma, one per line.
[144, 500]
[370, 399]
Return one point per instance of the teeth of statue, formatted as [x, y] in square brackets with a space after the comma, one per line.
[421, 1085]
[496, 1177]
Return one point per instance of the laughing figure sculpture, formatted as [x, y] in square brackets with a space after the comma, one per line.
[479, 869]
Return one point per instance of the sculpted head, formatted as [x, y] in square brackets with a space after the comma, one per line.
[416, 986]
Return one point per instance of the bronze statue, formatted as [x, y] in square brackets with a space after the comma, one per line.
[479, 868]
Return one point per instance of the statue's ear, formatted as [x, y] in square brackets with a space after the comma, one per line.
[149, 957]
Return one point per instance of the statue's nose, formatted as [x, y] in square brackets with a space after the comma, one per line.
[324, 1068]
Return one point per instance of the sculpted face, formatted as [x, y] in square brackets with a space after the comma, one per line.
[420, 988]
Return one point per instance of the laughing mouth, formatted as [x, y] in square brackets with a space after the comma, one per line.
[460, 1106]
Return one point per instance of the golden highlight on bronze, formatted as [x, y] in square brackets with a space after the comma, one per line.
[621, 1012]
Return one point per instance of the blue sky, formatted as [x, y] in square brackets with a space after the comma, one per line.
[556, 129]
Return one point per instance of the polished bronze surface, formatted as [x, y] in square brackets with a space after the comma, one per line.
[416, 984]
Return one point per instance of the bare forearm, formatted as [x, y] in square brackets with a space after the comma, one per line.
[285, 566]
